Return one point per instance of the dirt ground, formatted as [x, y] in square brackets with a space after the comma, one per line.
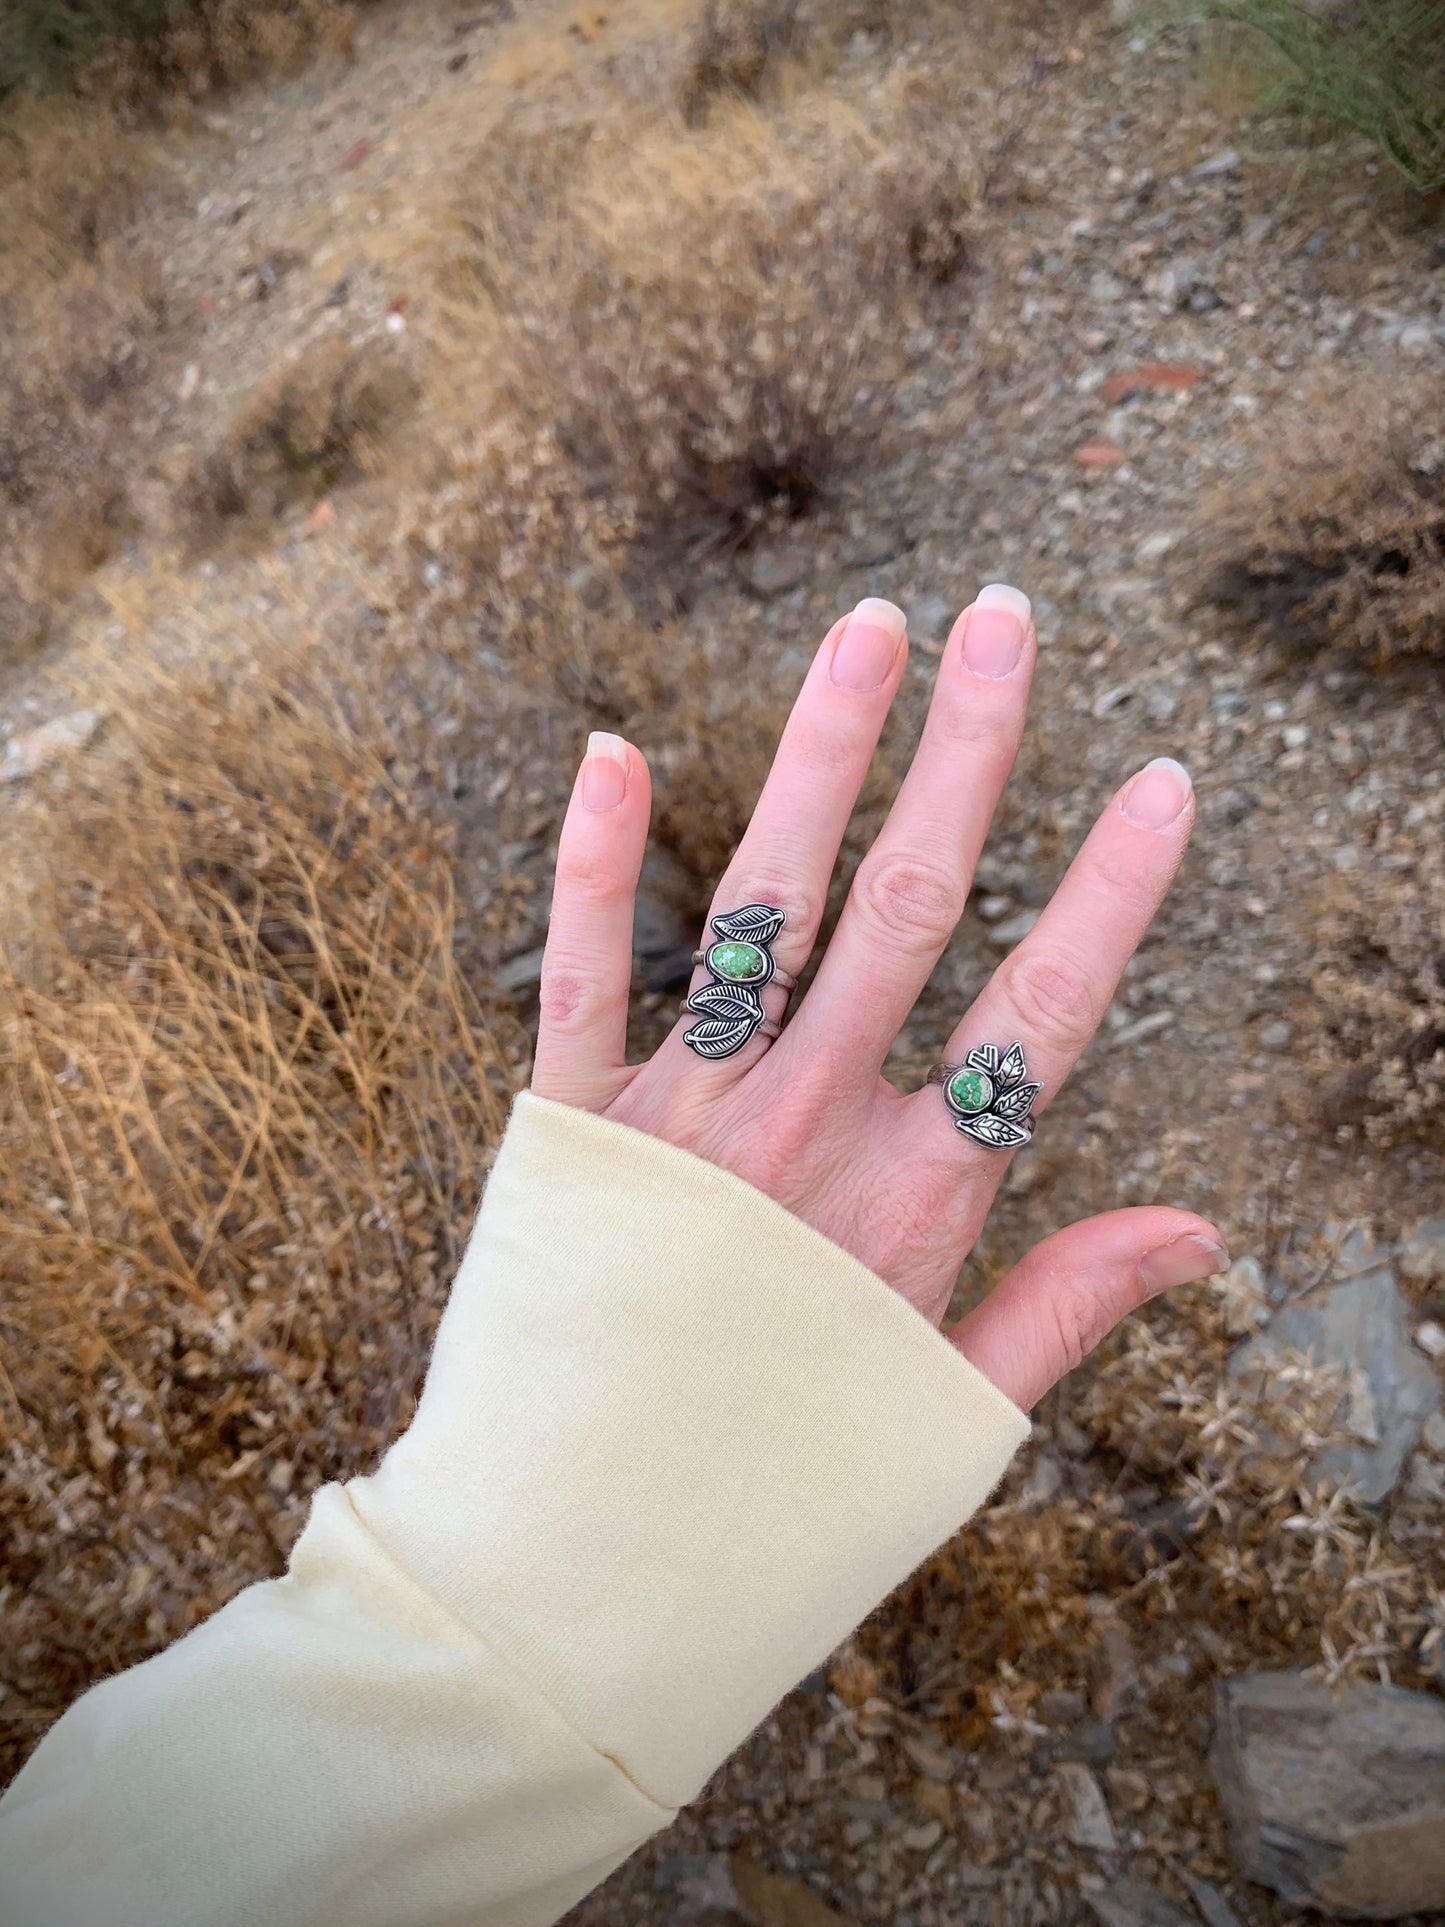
[1127, 216]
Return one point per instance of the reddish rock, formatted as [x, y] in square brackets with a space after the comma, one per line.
[1166, 375]
[1100, 455]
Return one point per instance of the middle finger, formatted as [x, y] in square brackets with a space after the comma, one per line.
[910, 889]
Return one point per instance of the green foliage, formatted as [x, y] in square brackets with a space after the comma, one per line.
[1374, 67]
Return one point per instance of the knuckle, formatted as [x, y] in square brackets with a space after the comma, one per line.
[591, 876]
[1078, 1320]
[910, 900]
[1052, 997]
[568, 998]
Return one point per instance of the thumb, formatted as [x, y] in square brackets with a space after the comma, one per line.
[1069, 1292]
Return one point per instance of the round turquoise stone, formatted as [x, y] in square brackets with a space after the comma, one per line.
[739, 963]
[970, 1092]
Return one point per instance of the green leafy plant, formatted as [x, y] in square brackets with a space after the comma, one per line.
[1374, 67]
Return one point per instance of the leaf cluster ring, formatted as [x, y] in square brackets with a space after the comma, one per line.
[739, 964]
[989, 1095]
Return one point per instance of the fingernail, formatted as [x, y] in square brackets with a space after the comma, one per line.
[1184, 1261]
[1158, 794]
[868, 647]
[993, 633]
[604, 772]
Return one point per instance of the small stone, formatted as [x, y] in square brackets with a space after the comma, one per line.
[1133, 1903]
[738, 962]
[1226, 161]
[1334, 1798]
[1013, 929]
[920, 1839]
[1091, 1740]
[36, 749]
[930, 618]
[1430, 1337]
[970, 1092]
[1277, 1036]
[772, 572]
[1212, 1904]
[1433, 1435]
[1422, 1252]
[1101, 455]
[1227, 808]
[1086, 1813]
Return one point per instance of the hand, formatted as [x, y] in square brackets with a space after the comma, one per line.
[809, 1119]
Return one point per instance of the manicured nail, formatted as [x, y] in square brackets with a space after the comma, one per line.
[1158, 795]
[604, 772]
[994, 630]
[1184, 1261]
[868, 648]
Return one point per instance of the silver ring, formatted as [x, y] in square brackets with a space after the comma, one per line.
[740, 963]
[989, 1096]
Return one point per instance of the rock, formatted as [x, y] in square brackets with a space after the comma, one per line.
[930, 618]
[1357, 1324]
[1226, 161]
[1336, 1801]
[520, 972]
[1214, 1909]
[1422, 1252]
[1276, 1036]
[1013, 929]
[1086, 1812]
[770, 572]
[1163, 375]
[1091, 1740]
[1430, 1337]
[1105, 287]
[1101, 455]
[1132, 1903]
[1433, 1435]
[1227, 808]
[777, 1900]
[36, 749]
[667, 924]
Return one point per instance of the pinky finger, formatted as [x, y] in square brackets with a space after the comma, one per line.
[587, 966]
[1069, 1292]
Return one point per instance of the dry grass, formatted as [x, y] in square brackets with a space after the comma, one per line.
[319, 420]
[1378, 1043]
[1336, 534]
[246, 1104]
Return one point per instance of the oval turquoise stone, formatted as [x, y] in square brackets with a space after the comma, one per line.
[970, 1091]
[740, 963]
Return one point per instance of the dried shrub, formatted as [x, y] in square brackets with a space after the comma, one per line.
[665, 344]
[141, 52]
[730, 50]
[1336, 532]
[318, 421]
[1378, 1047]
[81, 308]
[246, 1102]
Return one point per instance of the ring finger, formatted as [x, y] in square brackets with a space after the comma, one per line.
[1050, 995]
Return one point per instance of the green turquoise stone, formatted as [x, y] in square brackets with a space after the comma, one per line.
[970, 1092]
[739, 963]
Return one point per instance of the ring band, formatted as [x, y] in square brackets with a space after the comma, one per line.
[739, 963]
[783, 978]
[989, 1097]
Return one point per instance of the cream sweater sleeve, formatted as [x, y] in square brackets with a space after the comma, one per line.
[673, 1446]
